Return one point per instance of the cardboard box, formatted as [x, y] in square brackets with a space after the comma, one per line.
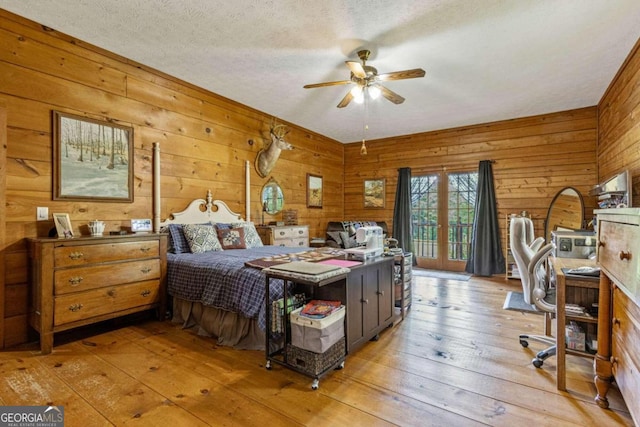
[317, 335]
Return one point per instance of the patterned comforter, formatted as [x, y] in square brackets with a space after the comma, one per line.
[221, 280]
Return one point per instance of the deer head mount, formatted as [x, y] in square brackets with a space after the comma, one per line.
[267, 157]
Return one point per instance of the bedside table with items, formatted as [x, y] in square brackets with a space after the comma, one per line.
[285, 235]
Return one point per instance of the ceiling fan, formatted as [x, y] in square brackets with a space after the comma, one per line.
[366, 77]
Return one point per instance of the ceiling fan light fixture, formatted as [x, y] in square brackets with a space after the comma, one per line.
[374, 92]
[359, 96]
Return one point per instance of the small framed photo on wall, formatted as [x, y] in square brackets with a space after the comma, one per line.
[374, 193]
[314, 191]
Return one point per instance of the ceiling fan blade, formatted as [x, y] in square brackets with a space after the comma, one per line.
[341, 82]
[391, 95]
[356, 68]
[346, 100]
[399, 75]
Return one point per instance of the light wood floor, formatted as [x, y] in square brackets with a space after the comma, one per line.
[454, 361]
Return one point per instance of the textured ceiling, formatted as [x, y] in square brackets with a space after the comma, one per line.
[485, 60]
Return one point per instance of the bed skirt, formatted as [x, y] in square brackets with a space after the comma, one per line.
[230, 329]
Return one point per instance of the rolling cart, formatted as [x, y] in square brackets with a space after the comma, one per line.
[329, 285]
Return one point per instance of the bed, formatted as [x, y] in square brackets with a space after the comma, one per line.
[214, 291]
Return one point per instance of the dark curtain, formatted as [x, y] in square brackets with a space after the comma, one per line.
[485, 257]
[402, 211]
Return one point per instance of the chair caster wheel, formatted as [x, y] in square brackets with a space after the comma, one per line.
[537, 363]
[524, 343]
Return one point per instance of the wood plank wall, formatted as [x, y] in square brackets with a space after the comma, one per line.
[619, 124]
[534, 158]
[203, 140]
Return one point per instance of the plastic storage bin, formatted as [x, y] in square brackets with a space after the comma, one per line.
[317, 335]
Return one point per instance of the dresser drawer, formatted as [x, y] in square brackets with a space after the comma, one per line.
[67, 256]
[625, 349]
[626, 323]
[280, 233]
[617, 253]
[98, 276]
[83, 305]
[299, 242]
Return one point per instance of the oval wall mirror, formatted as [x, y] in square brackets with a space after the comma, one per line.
[272, 197]
[565, 212]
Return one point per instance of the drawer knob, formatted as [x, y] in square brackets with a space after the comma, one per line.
[300, 231]
[75, 307]
[615, 321]
[381, 293]
[601, 244]
[111, 293]
[282, 233]
[625, 256]
[76, 255]
[364, 301]
[75, 281]
[145, 293]
[145, 249]
[145, 270]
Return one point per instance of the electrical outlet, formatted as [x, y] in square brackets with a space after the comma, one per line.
[42, 213]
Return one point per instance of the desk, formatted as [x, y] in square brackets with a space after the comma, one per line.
[589, 291]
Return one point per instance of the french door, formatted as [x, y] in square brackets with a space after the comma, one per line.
[442, 211]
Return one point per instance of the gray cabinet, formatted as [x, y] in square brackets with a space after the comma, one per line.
[402, 269]
[369, 301]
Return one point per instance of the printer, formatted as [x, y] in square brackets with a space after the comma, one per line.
[574, 243]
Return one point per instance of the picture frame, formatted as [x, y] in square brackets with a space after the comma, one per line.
[314, 191]
[63, 225]
[374, 193]
[141, 225]
[92, 159]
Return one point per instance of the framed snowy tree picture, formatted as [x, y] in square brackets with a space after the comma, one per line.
[92, 159]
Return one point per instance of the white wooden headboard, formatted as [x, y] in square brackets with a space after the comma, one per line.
[195, 214]
[202, 211]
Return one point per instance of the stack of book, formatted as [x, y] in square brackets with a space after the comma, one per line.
[319, 309]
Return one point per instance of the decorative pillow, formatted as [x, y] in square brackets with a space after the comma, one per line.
[201, 238]
[179, 242]
[251, 237]
[232, 238]
[348, 241]
[222, 225]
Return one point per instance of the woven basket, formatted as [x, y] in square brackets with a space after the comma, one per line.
[315, 363]
[290, 217]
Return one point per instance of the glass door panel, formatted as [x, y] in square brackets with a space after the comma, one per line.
[443, 199]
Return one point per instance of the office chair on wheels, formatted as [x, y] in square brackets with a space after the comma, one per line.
[530, 259]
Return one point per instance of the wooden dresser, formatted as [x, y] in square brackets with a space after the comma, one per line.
[84, 280]
[285, 235]
[619, 307]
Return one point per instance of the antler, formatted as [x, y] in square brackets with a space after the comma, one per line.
[279, 131]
